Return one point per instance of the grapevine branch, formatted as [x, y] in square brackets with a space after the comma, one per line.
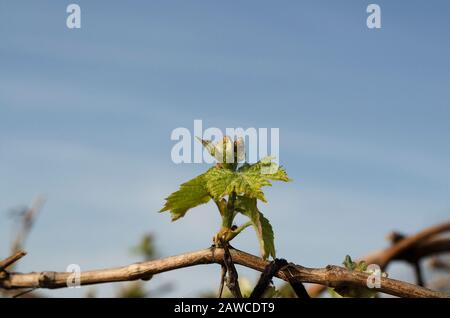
[333, 276]
[406, 248]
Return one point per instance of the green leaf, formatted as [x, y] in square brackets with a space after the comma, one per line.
[266, 168]
[247, 181]
[190, 194]
[360, 266]
[222, 182]
[349, 263]
[264, 231]
[267, 237]
[351, 291]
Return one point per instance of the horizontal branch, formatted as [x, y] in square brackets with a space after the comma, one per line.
[332, 276]
[409, 242]
[414, 247]
[428, 248]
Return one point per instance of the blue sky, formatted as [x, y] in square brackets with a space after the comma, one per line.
[86, 117]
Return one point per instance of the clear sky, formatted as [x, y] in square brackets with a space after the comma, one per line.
[86, 117]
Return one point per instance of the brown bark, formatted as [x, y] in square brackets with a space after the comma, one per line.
[332, 276]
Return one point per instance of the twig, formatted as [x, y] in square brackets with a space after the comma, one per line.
[269, 272]
[298, 287]
[11, 260]
[409, 256]
[332, 276]
[266, 277]
[299, 290]
[25, 292]
[232, 275]
[27, 223]
[429, 247]
[418, 273]
[437, 263]
[417, 246]
[409, 242]
[223, 275]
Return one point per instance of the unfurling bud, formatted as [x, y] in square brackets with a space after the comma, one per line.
[226, 150]
[239, 148]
